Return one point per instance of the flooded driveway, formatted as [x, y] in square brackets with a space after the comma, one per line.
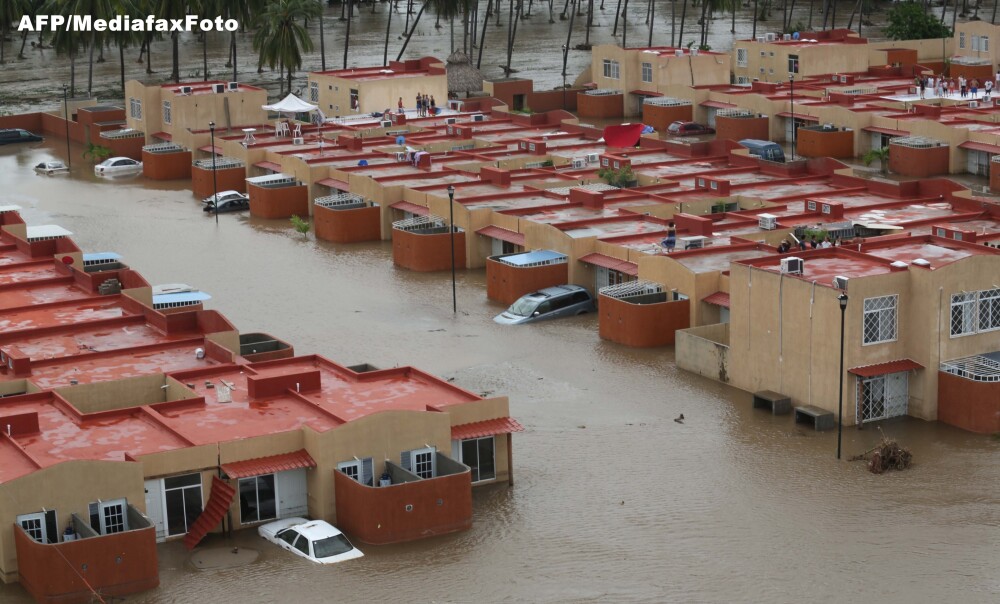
[613, 501]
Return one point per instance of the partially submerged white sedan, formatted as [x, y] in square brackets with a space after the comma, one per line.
[314, 540]
[51, 167]
[118, 166]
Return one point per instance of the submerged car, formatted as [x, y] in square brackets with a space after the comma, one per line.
[9, 136]
[228, 205]
[51, 167]
[225, 196]
[314, 540]
[548, 303]
[118, 166]
[688, 129]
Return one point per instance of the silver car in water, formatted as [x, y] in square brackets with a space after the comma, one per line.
[548, 303]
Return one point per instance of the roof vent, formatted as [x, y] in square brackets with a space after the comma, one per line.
[840, 282]
[921, 262]
[898, 264]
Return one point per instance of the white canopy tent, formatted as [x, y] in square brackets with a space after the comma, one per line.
[291, 104]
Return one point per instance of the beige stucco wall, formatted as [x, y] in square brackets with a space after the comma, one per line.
[376, 95]
[977, 28]
[193, 112]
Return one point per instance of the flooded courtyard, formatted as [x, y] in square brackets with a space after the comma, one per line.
[612, 500]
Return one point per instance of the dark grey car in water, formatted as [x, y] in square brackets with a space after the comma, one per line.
[548, 303]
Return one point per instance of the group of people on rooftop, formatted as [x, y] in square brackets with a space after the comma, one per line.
[806, 243]
[426, 105]
[946, 87]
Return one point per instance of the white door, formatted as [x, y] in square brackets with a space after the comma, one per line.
[497, 246]
[113, 516]
[34, 525]
[789, 129]
[710, 116]
[292, 493]
[154, 507]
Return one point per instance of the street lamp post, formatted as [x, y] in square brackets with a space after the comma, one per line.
[69, 156]
[451, 228]
[215, 182]
[791, 96]
[564, 49]
[840, 377]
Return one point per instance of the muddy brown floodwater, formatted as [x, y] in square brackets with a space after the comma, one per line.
[612, 501]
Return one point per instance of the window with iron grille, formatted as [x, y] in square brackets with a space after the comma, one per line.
[793, 63]
[166, 112]
[135, 108]
[647, 72]
[314, 91]
[741, 57]
[961, 39]
[882, 397]
[989, 310]
[963, 313]
[611, 69]
[880, 319]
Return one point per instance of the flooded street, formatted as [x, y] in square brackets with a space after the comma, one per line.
[613, 501]
[36, 82]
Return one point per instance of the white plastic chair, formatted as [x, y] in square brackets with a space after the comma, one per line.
[281, 129]
[298, 130]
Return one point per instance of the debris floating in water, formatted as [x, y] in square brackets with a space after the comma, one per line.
[887, 455]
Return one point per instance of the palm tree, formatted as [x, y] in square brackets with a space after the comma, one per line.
[243, 11]
[10, 11]
[881, 154]
[30, 8]
[445, 8]
[125, 38]
[175, 9]
[64, 40]
[281, 38]
[98, 9]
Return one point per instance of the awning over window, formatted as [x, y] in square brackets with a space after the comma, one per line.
[718, 299]
[269, 465]
[268, 165]
[605, 261]
[984, 147]
[489, 427]
[868, 371]
[645, 93]
[412, 208]
[717, 105]
[799, 116]
[333, 183]
[211, 149]
[163, 136]
[888, 131]
[502, 234]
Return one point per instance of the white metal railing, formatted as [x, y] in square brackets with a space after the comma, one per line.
[123, 133]
[858, 90]
[597, 186]
[977, 368]
[665, 101]
[915, 142]
[602, 92]
[561, 259]
[967, 60]
[734, 112]
[340, 199]
[220, 163]
[419, 223]
[637, 287]
[163, 148]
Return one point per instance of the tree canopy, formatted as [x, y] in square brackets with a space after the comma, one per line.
[909, 21]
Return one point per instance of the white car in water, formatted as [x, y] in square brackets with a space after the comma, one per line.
[225, 196]
[51, 167]
[118, 166]
[314, 540]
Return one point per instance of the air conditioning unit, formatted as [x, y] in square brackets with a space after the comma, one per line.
[770, 37]
[185, 90]
[760, 39]
[694, 52]
[479, 118]
[400, 155]
[679, 52]
[786, 36]
[233, 86]
[298, 140]
[840, 282]
[973, 104]
[218, 88]
[450, 120]
[767, 222]
[579, 163]
[593, 158]
[693, 243]
[843, 79]
[387, 123]
[792, 265]
[834, 78]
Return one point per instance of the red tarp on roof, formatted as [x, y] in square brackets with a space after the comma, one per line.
[888, 131]
[489, 427]
[718, 299]
[624, 266]
[268, 165]
[645, 93]
[166, 136]
[412, 208]
[980, 147]
[799, 116]
[885, 368]
[269, 465]
[333, 183]
[502, 234]
[215, 509]
[717, 105]
[623, 135]
[210, 149]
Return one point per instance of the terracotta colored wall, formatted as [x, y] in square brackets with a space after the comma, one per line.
[921, 163]
[48, 577]
[27, 121]
[424, 253]
[660, 117]
[816, 143]
[972, 406]
[612, 105]
[642, 325]
[167, 166]
[278, 202]
[739, 128]
[505, 283]
[980, 72]
[553, 99]
[347, 226]
[123, 147]
[378, 515]
[995, 177]
[229, 179]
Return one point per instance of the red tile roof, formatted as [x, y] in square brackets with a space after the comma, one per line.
[718, 298]
[717, 105]
[211, 149]
[489, 427]
[605, 261]
[412, 208]
[333, 183]
[269, 465]
[974, 146]
[268, 165]
[502, 234]
[885, 368]
[163, 136]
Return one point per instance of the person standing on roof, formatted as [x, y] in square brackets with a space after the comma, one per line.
[418, 105]
[670, 241]
[400, 105]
